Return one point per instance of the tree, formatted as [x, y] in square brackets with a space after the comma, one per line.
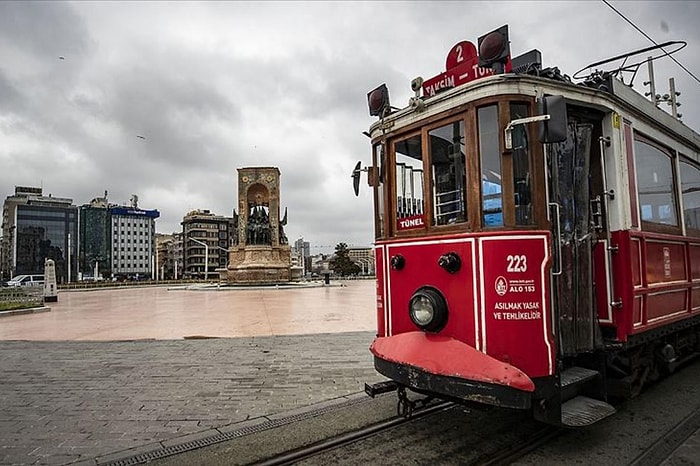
[341, 263]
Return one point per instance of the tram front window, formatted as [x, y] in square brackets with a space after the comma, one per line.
[448, 173]
[521, 167]
[410, 203]
[491, 198]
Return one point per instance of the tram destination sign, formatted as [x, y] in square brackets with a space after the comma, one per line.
[462, 66]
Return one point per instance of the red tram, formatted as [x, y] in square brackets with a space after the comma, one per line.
[537, 241]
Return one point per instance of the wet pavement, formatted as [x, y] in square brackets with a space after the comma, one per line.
[183, 312]
[110, 374]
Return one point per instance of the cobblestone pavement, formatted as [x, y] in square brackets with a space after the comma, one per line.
[90, 402]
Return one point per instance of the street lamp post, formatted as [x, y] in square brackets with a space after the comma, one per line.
[206, 257]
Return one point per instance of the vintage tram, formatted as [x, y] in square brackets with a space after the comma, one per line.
[537, 241]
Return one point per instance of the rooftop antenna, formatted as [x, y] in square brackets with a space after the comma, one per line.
[671, 98]
[653, 96]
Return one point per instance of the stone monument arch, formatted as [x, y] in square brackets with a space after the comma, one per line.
[261, 254]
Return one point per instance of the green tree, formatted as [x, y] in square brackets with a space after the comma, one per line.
[341, 263]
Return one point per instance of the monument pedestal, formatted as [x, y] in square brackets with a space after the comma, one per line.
[258, 264]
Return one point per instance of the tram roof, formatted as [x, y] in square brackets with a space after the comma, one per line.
[618, 97]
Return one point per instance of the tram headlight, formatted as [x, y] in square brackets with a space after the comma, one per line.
[428, 309]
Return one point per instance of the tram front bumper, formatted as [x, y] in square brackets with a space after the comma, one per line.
[445, 366]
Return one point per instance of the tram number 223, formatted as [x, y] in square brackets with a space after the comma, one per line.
[516, 263]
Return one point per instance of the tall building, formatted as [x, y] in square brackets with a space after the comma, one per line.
[206, 236]
[37, 227]
[133, 233]
[95, 239]
[302, 250]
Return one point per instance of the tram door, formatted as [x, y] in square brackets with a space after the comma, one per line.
[574, 179]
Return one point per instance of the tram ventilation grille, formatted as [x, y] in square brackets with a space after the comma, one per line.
[147, 457]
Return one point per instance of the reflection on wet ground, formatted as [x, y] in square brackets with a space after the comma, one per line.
[161, 313]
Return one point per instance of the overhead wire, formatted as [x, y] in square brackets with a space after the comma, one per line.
[652, 40]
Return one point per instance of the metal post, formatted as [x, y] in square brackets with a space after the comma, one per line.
[69, 253]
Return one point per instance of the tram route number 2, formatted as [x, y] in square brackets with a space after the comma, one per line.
[516, 263]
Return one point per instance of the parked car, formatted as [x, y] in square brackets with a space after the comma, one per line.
[26, 280]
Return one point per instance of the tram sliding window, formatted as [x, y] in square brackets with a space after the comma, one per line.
[657, 199]
[448, 173]
[521, 167]
[489, 151]
[410, 203]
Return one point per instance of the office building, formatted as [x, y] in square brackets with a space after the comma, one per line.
[133, 233]
[206, 237]
[37, 227]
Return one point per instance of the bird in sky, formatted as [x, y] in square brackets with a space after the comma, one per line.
[61, 58]
[141, 137]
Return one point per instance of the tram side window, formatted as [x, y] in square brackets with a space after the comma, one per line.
[409, 183]
[690, 185]
[657, 197]
[448, 173]
[521, 167]
[491, 199]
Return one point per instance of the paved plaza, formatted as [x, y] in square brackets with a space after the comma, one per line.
[109, 374]
[163, 313]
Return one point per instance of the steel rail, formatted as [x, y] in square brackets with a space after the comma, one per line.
[322, 446]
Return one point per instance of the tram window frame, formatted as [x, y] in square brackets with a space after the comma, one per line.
[693, 166]
[651, 225]
[461, 219]
[481, 148]
[394, 208]
[380, 201]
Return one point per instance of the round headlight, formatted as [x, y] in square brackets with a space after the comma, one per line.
[428, 309]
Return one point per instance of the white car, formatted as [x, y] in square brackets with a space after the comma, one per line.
[26, 280]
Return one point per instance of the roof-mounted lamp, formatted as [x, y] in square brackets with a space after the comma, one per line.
[378, 101]
[494, 50]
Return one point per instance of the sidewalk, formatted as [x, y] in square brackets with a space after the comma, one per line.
[93, 402]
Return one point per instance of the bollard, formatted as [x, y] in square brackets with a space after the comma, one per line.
[50, 287]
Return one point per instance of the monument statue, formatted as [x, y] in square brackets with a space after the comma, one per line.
[260, 252]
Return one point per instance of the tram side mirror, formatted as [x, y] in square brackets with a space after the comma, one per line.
[552, 129]
[356, 178]
[372, 177]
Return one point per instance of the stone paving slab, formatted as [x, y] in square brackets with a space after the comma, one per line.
[67, 402]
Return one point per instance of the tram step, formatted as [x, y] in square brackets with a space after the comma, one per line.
[577, 375]
[583, 411]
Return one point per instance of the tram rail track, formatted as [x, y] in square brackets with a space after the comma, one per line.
[348, 438]
[502, 457]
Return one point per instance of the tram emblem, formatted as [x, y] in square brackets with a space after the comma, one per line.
[501, 286]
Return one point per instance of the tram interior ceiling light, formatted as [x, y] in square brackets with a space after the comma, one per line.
[378, 101]
[494, 49]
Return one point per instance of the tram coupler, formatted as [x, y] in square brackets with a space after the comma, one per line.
[406, 406]
[380, 387]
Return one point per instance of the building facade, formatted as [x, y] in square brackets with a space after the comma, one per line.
[169, 256]
[206, 237]
[37, 227]
[133, 240]
[364, 257]
[95, 239]
[302, 254]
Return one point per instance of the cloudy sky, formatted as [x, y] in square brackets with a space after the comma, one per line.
[217, 86]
